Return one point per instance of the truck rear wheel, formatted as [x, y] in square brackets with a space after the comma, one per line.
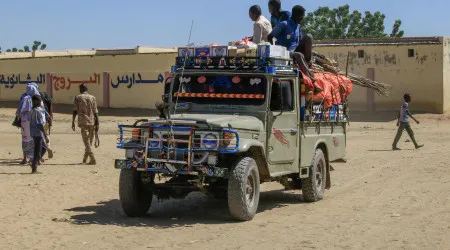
[135, 199]
[243, 189]
[313, 187]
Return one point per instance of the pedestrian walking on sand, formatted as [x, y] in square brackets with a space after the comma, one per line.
[403, 123]
[85, 106]
[37, 132]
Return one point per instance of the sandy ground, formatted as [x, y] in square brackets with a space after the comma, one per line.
[379, 199]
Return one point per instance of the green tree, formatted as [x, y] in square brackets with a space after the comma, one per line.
[37, 45]
[396, 32]
[325, 23]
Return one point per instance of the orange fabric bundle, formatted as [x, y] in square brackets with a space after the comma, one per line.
[326, 94]
[334, 81]
[308, 83]
[347, 86]
[336, 88]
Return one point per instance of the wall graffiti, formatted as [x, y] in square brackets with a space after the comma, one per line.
[60, 82]
[132, 79]
[9, 81]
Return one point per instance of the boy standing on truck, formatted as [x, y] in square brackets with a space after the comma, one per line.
[403, 123]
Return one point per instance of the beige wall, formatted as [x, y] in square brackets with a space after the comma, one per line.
[84, 68]
[426, 75]
[421, 75]
[446, 56]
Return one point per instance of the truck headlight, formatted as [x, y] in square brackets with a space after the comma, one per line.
[227, 137]
[210, 141]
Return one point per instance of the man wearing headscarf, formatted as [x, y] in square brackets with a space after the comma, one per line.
[23, 112]
[85, 106]
[47, 115]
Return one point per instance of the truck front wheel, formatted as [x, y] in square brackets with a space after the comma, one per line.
[243, 189]
[135, 199]
[313, 187]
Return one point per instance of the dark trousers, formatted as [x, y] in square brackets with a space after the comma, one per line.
[404, 126]
[39, 150]
[305, 47]
[303, 55]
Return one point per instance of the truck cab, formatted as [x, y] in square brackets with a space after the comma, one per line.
[227, 131]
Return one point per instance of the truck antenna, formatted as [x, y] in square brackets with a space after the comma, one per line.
[190, 32]
[182, 73]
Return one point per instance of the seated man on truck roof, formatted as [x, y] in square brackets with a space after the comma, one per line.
[288, 33]
[262, 27]
[278, 15]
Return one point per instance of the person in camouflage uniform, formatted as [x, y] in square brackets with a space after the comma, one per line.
[85, 106]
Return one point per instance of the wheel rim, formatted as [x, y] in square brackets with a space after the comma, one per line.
[319, 174]
[250, 190]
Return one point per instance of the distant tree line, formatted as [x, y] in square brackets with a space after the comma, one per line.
[325, 23]
[37, 45]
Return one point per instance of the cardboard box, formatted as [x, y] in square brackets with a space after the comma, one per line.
[272, 51]
[251, 52]
[219, 51]
[203, 51]
[186, 51]
[236, 52]
[282, 62]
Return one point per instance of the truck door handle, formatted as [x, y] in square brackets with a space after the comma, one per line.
[294, 131]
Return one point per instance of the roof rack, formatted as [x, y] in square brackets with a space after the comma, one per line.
[242, 64]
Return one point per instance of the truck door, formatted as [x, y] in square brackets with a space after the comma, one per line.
[283, 134]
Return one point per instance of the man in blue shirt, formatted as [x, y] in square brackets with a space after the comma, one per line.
[288, 33]
[278, 15]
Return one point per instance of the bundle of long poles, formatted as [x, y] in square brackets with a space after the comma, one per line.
[324, 64]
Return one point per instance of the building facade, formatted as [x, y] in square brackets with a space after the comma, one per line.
[419, 66]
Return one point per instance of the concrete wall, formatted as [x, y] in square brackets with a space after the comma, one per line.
[121, 81]
[446, 66]
[420, 75]
[134, 78]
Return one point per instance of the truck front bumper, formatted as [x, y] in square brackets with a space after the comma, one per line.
[204, 171]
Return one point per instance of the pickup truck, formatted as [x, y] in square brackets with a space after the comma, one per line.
[227, 131]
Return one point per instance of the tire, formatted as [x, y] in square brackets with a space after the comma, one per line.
[243, 190]
[135, 199]
[313, 187]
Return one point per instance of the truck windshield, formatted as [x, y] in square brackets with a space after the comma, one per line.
[214, 89]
